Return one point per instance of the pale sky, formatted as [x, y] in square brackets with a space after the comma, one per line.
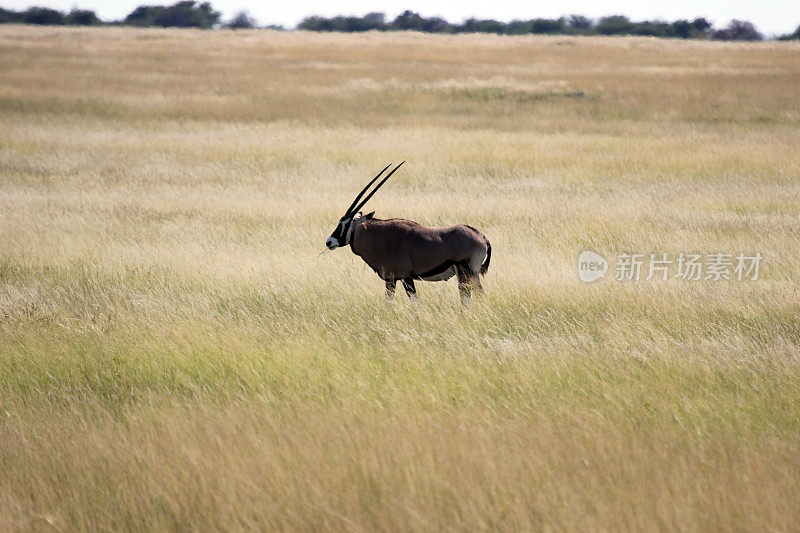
[770, 16]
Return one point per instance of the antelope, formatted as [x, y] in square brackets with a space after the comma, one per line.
[402, 250]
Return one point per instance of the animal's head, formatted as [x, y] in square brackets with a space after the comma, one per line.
[343, 234]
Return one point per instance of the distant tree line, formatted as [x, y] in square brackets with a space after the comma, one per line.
[183, 14]
[790, 36]
[192, 14]
[570, 25]
[47, 16]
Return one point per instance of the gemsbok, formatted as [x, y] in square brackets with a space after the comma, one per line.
[402, 250]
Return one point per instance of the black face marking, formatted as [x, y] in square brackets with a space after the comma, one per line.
[340, 233]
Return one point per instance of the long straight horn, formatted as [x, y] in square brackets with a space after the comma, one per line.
[350, 209]
[389, 175]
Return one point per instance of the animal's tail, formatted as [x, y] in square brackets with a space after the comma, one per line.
[485, 265]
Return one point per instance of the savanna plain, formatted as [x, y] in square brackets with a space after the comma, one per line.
[177, 353]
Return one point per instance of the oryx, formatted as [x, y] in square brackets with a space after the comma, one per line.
[402, 250]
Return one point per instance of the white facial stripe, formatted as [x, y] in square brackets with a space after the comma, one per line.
[350, 230]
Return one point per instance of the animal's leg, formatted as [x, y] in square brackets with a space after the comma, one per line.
[408, 284]
[390, 285]
[464, 284]
[476, 282]
[473, 268]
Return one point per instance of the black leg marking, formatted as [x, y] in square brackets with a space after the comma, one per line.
[408, 285]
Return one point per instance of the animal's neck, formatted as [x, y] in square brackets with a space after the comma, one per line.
[359, 234]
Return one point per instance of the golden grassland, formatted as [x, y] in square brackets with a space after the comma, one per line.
[176, 353]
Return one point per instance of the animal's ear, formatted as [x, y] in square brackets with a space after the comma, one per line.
[369, 215]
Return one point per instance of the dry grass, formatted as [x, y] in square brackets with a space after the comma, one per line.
[176, 353]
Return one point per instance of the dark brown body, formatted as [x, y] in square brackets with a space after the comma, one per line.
[402, 250]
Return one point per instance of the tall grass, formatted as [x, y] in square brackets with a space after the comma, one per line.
[175, 351]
